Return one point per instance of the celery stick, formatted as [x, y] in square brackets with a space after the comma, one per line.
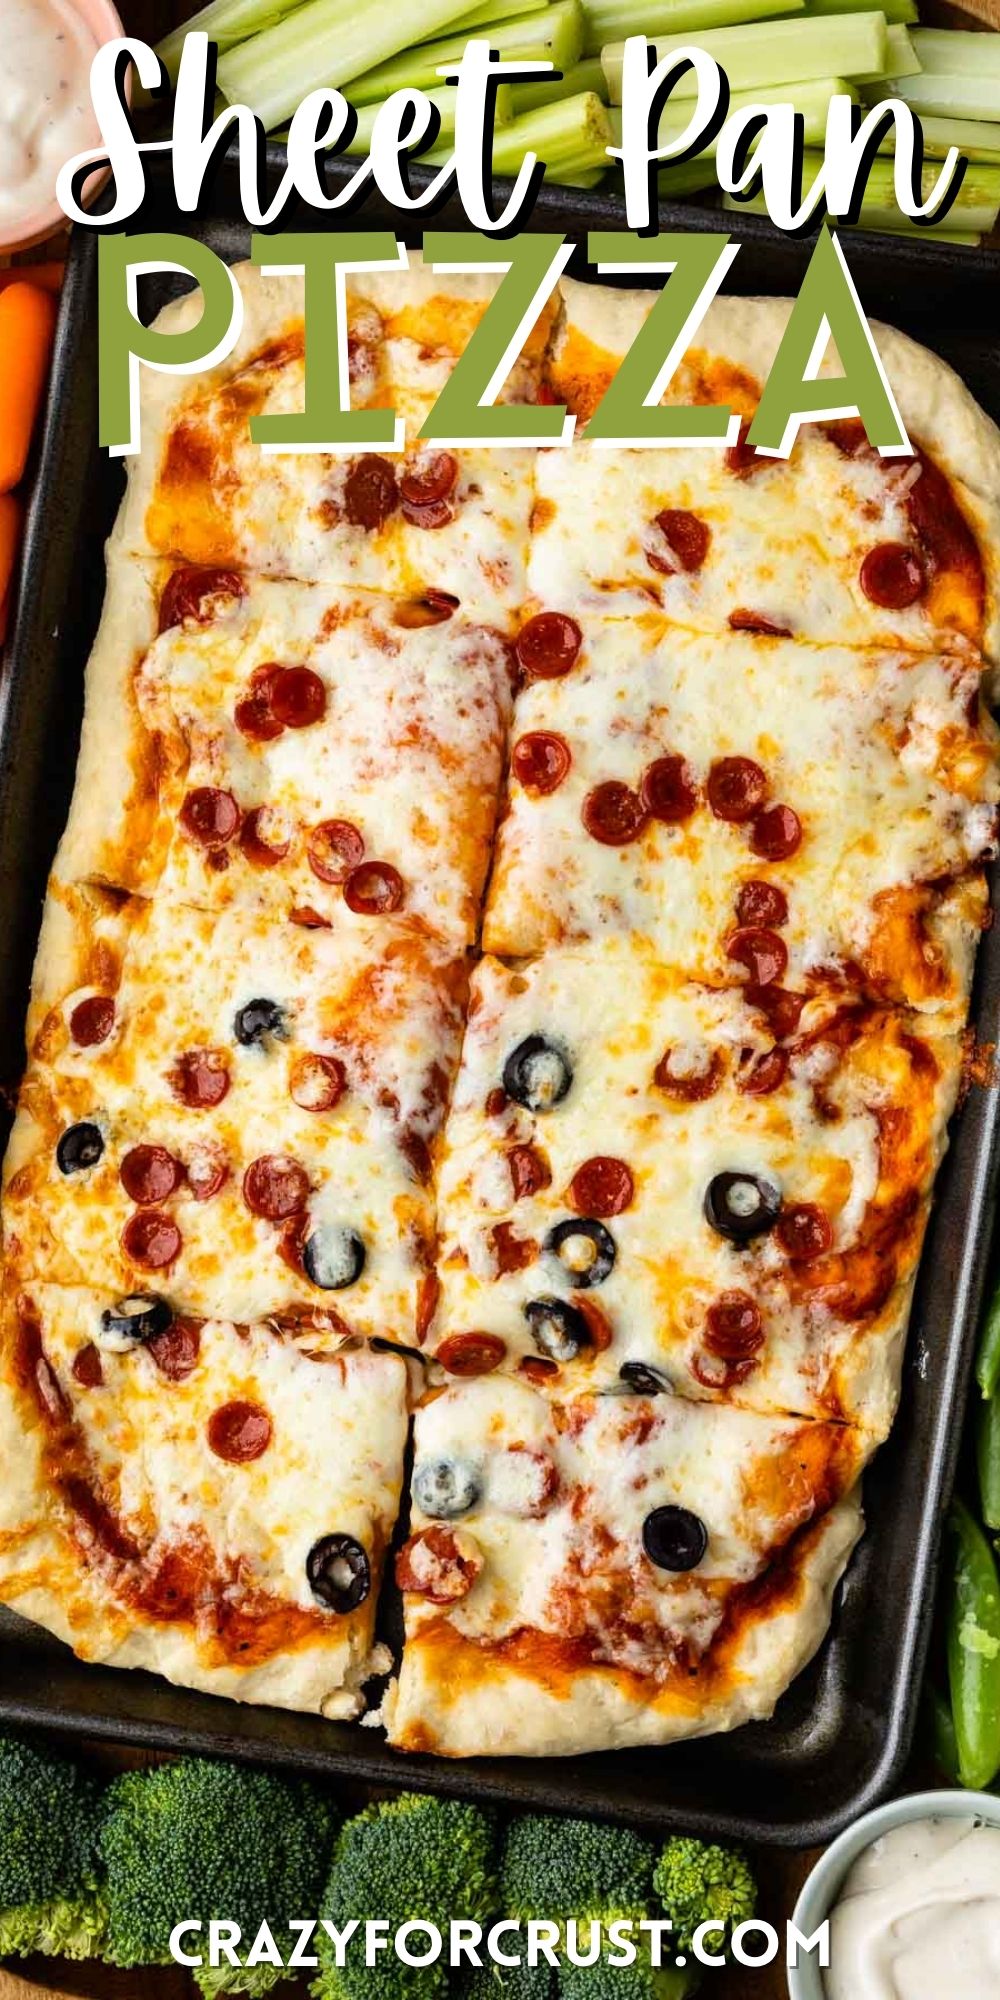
[944, 96]
[904, 12]
[612, 20]
[494, 10]
[810, 100]
[586, 180]
[325, 42]
[769, 53]
[975, 208]
[555, 35]
[586, 75]
[444, 100]
[225, 22]
[958, 52]
[689, 177]
[571, 136]
[900, 56]
[974, 138]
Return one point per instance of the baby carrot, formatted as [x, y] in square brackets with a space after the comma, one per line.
[49, 276]
[10, 536]
[27, 324]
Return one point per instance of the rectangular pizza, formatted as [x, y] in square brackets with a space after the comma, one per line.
[508, 957]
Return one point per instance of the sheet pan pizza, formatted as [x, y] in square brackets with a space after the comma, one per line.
[503, 983]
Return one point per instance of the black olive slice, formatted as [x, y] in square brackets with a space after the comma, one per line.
[740, 1206]
[79, 1146]
[644, 1379]
[339, 1572]
[538, 1073]
[444, 1488]
[333, 1257]
[557, 1329]
[133, 1321]
[585, 1249]
[674, 1538]
[260, 1021]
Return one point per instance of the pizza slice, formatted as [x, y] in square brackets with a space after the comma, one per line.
[650, 1184]
[170, 1497]
[424, 519]
[316, 753]
[750, 808]
[611, 1570]
[241, 1116]
[832, 543]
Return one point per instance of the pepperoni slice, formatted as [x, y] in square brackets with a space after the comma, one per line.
[149, 1174]
[541, 760]
[741, 457]
[765, 1074]
[761, 903]
[733, 1327]
[298, 697]
[529, 1171]
[804, 1232]
[471, 1353]
[548, 646]
[373, 889]
[261, 837]
[687, 537]
[275, 1187]
[496, 1103]
[737, 788]
[689, 1080]
[308, 918]
[370, 492]
[436, 514]
[602, 1186]
[742, 620]
[92, 1020]
[253, 715]
[781, 1008]
[200, 1078]
[152, 1239]
[777, 832]
[438, 1564]
[317, 1083]
[335, 847]
[432, 608]
[199, 594]
[613, 813]
[537, 1370]
[207, 1172]
[87, 1369]
[209, 816]
[892, 576]
[512, 1252]
[762, 952]
[239, 1432]
[176, 1351]
[429, 479]
[668, 790]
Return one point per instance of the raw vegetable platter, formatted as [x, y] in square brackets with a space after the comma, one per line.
[842, 1734]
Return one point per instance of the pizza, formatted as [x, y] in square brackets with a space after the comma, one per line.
[722, 800]
[323, 755]
[610, 1569]
[420, 520]
[240, 1116]
[500, 1002]
[170, 1498]
[832, 543]
[649, 1183]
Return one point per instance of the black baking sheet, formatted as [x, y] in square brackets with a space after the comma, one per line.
[841, 1735]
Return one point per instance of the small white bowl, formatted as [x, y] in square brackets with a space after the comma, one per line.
[823, 1886]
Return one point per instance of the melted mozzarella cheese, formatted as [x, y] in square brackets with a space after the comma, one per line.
[857, 1124]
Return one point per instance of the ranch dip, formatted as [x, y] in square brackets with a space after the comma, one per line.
[918, 1917]
[45, 111]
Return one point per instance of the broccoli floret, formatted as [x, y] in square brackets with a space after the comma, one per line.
[563, 1868]
[699, 1882]
[49, 1899]
[408, 1857]
[200, 1840]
